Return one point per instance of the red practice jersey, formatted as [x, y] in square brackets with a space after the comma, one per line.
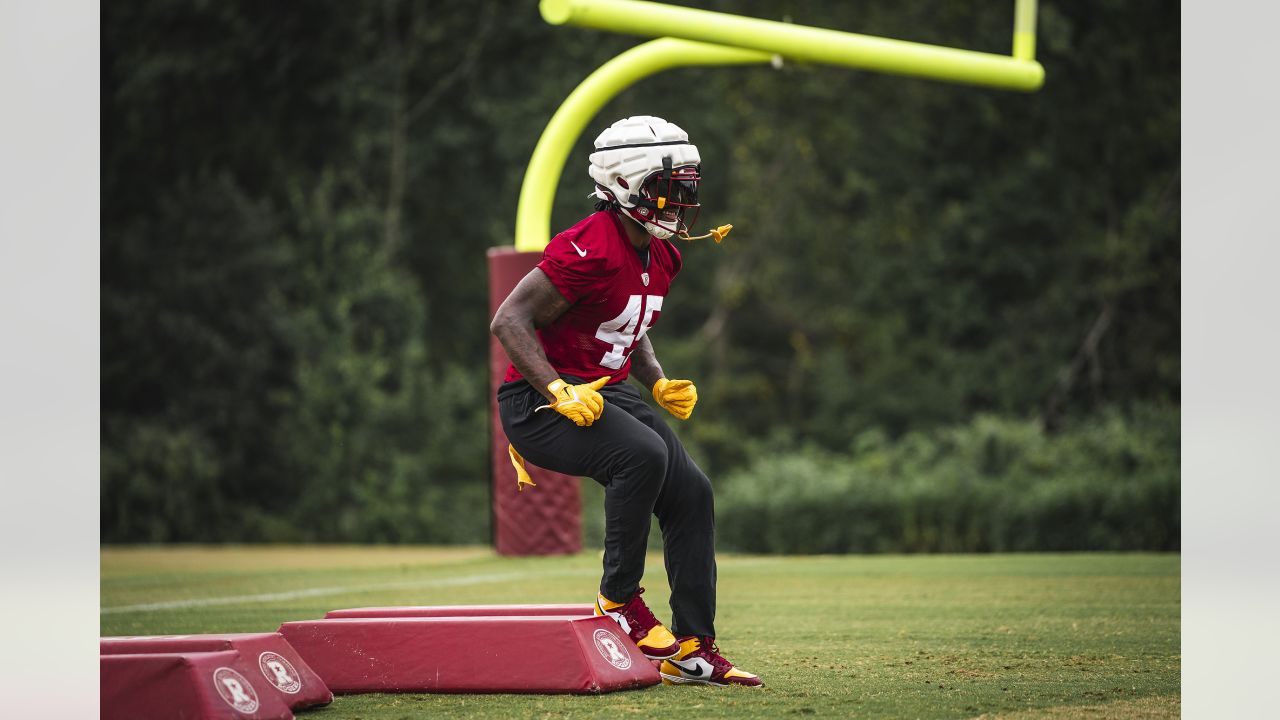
[614, 299]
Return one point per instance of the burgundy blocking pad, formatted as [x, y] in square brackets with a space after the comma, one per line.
[517, 654]
[197, 686]
[576, 610]
[272, 662]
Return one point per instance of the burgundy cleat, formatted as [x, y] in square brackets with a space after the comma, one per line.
[635, 619]
[699, 662]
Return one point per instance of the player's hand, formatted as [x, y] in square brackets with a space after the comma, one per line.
[676, 396]
[580, 403]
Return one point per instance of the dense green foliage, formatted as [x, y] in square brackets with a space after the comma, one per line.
[297, 201]
[992, 485]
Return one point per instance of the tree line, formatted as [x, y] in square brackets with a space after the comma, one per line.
[297, 203]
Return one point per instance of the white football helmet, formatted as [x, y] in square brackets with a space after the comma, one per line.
[650, 169]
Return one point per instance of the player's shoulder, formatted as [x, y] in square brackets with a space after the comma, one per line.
[592, 243]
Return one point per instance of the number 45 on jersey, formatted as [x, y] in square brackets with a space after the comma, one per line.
[624, 331]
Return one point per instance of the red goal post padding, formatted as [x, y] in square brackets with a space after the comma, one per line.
[542, 520]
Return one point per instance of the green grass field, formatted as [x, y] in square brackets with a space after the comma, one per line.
[940, 636]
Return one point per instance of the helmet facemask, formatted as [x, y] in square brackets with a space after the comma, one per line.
[667, 203]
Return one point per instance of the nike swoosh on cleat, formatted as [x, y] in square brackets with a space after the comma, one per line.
[581, 252]
[616, 617]
[697, 672]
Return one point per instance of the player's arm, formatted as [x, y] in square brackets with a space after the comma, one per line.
[534, 303]
[644, 363]
[675, 396]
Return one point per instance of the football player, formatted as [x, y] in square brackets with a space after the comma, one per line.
[576, 327]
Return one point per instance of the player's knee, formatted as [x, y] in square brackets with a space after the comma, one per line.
[648, 458]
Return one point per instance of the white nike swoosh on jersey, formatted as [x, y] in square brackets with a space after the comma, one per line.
[581, 252]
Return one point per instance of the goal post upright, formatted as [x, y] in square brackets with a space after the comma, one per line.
[1024, 30]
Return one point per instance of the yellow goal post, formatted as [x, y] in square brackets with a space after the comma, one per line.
[700, 37]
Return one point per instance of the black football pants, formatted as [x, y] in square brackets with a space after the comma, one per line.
[644, 469]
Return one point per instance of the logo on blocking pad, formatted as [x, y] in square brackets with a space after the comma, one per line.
[280, 672]
[235, 690]
[611, 649]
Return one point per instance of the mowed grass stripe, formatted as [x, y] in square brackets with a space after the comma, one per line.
[148, 578]
[865, 636]
[323, 591]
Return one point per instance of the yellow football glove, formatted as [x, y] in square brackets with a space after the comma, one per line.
[676, 396]
[580, 403]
